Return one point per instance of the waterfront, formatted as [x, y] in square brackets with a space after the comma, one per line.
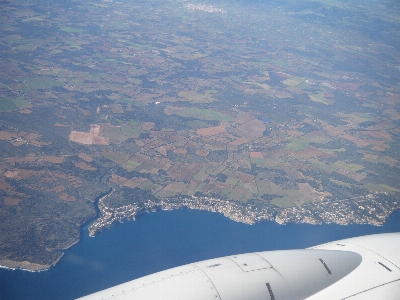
[162, 240]
[372, 209]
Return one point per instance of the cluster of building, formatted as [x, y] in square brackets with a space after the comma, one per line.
[203, 7]
[369, 209]
[248, 214]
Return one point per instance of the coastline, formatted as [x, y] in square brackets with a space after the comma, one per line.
[166, 239]
[373, 209]
[27, 266]
[33, 267]
[248, 214]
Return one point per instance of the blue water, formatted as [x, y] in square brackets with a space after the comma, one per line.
[162, 240]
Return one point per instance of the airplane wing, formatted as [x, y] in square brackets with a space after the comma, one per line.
[366, 267]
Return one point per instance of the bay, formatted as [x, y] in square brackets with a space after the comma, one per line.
[161, 240]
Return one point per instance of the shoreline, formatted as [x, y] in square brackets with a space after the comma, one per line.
[24, 265]
[325, 212]
[108, 217]
[17, 265]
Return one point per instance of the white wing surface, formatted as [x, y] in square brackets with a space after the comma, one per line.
[358, 268]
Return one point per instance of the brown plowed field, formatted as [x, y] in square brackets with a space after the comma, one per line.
[211, 130]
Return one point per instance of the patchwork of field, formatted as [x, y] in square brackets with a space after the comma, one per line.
[259, 106]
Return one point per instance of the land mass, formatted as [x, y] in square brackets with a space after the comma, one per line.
[373, 209]
[282, 112]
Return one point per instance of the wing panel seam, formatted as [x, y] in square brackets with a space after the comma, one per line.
[219, 296]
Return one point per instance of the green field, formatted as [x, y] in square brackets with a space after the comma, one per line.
[39, 84]
[293, 81]
[232, 180]
[389, 188]
[204, 114]
[148, 186]
[320, 97]
[25, 47]
[348, 167]
[131, 131]
[258, 161]
[322, 166]
[282, 202]
[224, 193]
[117, 157]
[233, 195]
[12, 104]
[268, 187]
[130, 165]
[70, 29]
[298, 145]
[301, 143]
[111, 131]
[202, 174]
[196, 124]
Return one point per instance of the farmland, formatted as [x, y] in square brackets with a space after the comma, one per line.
[259, 114]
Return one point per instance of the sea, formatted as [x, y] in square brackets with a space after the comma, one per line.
[162, 240]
